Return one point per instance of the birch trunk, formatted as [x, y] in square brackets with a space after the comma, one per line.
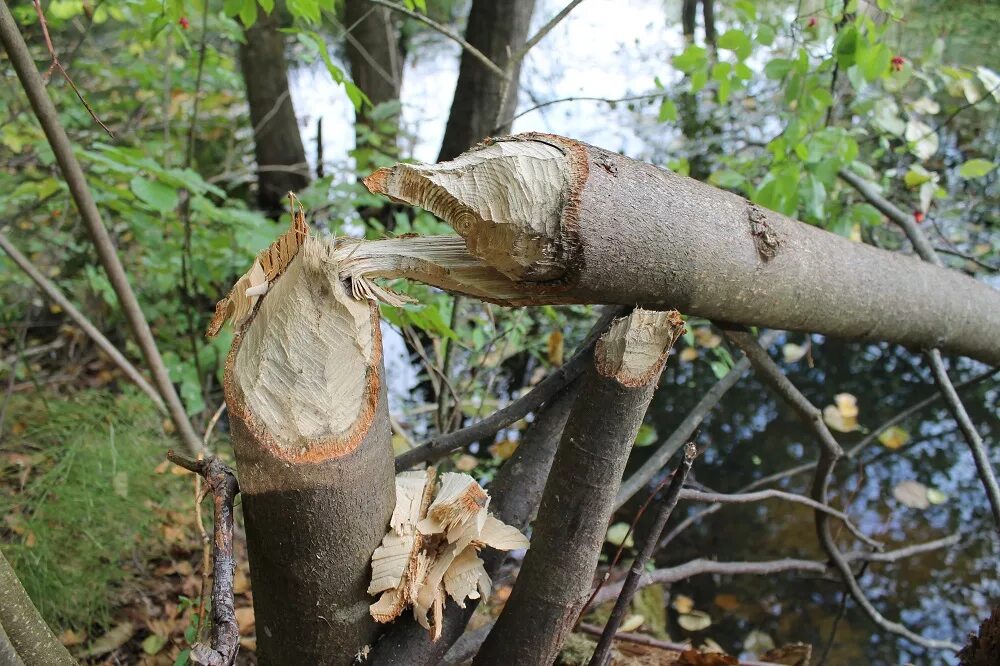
[545, 219]
[306, 392]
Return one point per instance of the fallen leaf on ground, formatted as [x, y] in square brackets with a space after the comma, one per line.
[109, 642]
[245, 619]
[632, 622]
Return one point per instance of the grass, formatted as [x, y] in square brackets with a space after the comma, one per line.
[82, 502]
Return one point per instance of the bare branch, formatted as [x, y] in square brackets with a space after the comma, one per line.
[53, 292]
[447, 32]
[47, 116]
[221, 481]
[544, 30]
[747, 498]
[640, 639]
[830, 451]
[515, 411]
[602, 653]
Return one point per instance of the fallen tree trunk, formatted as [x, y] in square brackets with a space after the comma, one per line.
[578, 500]
[546, 219]
[306, 393]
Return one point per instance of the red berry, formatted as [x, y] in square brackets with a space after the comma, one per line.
[918, 216]
[812, 22]
[898, 62]
[184, 22]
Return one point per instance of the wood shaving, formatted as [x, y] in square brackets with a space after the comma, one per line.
[431, 550]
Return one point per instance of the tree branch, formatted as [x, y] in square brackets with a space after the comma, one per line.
[830, 451]
[44, 110]
[515, 411]
[225, 630]
[544, 31]
[602, 653]
[31, 637]
[444, 30]
[52, 291]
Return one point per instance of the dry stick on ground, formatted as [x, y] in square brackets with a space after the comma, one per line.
[30, 79]
[641, 639]
[53, 292]
[926, 251]
[830, 451]
[545, 220]
[801, 469]
[602, 653]
[686, 429]
[555, 382]
[555, 579]
[699, 567]
[31, 637]
[221, 481]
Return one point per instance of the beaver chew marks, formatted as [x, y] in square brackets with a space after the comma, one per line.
[305, 360]
[505, 199]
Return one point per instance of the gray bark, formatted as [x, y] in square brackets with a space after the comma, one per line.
[373, 51]
[277, 141]
[555, 579]
[24, 627]
[497, 29]
[546, 219]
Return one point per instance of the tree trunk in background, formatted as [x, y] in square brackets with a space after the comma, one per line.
[373, 51]
[498, 29]
[558, 570]
[305, 386]
[277, 142]
[689, 11]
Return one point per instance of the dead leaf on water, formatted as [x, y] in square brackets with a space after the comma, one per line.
[688, 354]
[793, 353]
[694, 657]
[466, 463]
[757, 642]
[632, 622]
[616, 535]
[504, 449]
[727, 602]
[793, 654]
[707, 338]
[696, 620]
[912, 494]
[935, 496]
[842, 416]
[894, 437]
[682, 604]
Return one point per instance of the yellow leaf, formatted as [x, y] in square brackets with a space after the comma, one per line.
[727, 601]
[616, 535]
[556, 348]
[504, 449]
[632, 622]
[682, 604]
[843, 416]
[894, 437]
[466, 463]
[705, 337]
[688, 354]
[792, 352]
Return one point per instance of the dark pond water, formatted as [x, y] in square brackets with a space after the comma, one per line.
[942, 594]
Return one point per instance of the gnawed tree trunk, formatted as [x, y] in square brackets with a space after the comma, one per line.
[277, 142]
[546, 219]
[498, 30]
[306, 392]
[558, 570]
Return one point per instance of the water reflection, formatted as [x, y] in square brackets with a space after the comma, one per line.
[943, 594]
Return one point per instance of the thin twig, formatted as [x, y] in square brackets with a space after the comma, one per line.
[640, 639]
[602, 653]
[221, 481]
[52, 291]
[212, 423]
[830, 451]
[58, 65]
[544, 31]
[747, 498]
[450, 34]
[62, 149]
[489, 426]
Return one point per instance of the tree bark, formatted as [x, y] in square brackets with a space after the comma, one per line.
[306, 393]
[545, 219]
[373, 51]
[498, 29]
[24, 627]
[277, 141]
[555, 579]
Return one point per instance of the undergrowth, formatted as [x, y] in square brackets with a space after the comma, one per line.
[82, 501]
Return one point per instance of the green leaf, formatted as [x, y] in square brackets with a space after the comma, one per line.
[248, 13]
[267, 6]
[183, 658]
[846, 46]
[874, 61]
[720, 71]
[691, 59]
[153, 644]
[976, 168]
[668, 111]
[736, 40]
[727, 178]
[698, 80]
[645, 436]
[157, 196]
[765, 35]
[917, 175]
[778, 68]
